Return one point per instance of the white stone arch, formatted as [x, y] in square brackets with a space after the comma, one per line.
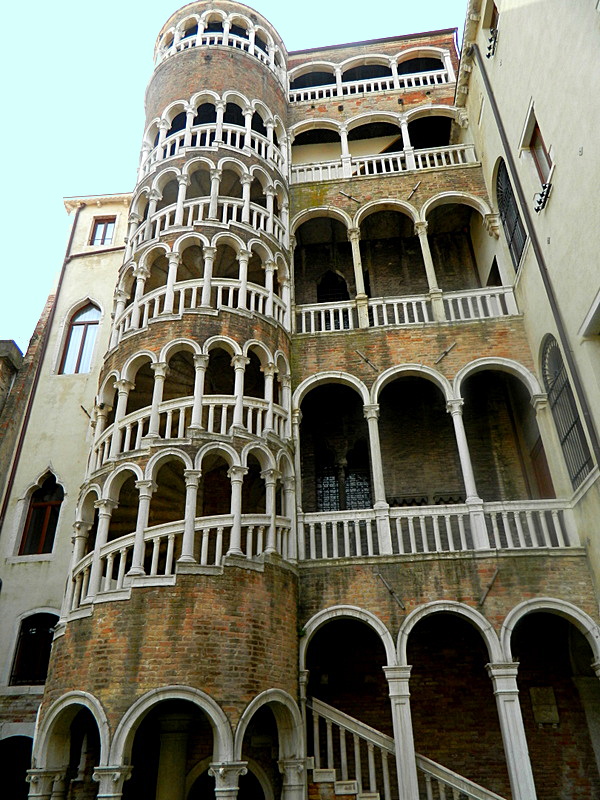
[313, 66]
[237, 98]
[234, 165]
[432, 110]
[385, 204]
[120, 751]
[228, 237]
[163, 177]
[347, 612]
[247, 22]
[261, 248]
[331, 376]
[116, 479]
[176, 346]
[151, 132]
[365, 117]
[262, 109]
[477, 620]
[264, 354]
[261, 175]
[321, 211]
[414, 370]
[260, 29]
[140, 201]
[370, 58]
[126, 277]
[459, 198]
[107, 387]
[285, 464]
[553, 605]
[281, 362]
[423, 51]
[134, 362]
[212, 13]
[497, 364]
[282, 266]
[155, 251]
[204, 96]
[261, 452]
[287, 716]
[184, 23]
[326, 123]
[222, 449]
[168, 454]
[51, 744]
[188, 240]
[83, 509]
[224, 342]
[198, 161]
[173, 109]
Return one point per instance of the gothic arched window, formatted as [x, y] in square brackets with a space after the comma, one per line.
[79, 346]
[564, 411]
[42, 518]
[509, 214]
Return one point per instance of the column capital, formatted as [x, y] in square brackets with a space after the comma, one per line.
[145, 488]
[200, 361]
[248, 111]
[134, 218]
[292, 770]
[492, 224]
[239, 361]
[270, 191]
[154, 194]
[421, 228]
[105, 506]
[462, 118]
[123, 386]
[371, 411]
[81, 528]
[192, 477]
[455, 407]
[215, 174]
[174, 258]
[220, 105]
[398, 678]
[236, 473]
[120, 294]
[246, 179]
[111, 777]
[183, 180]
[286, 381]
[141, 272]
[596, 667]
[269, 369]
[354, 234]
[163, 125]
[269, 265]
[244, 255]
[539, 402]
[160, 369]
[503, 671]
[296, 416]
[209, 252]
[227, 775]
[270, 475]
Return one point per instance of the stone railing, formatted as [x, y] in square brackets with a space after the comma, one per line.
[361, 760]
[188, 297]
[205, 136]
[385, 163]
[517, 525]
[386, 83]
[174, 419]
[162, 549]
[464, 306]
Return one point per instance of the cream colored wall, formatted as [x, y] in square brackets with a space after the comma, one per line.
[316, 153]
[58, 437]
[547, 55]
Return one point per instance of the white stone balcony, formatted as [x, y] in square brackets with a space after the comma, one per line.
[108, 566]
[233, 136]
[464, 306]
[174, 420]
[385, 163]
[515, 525]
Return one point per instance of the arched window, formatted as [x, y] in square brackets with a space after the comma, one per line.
[30, 664]
[509, 214]
[77, 355]
[42, 518]
[564, 411]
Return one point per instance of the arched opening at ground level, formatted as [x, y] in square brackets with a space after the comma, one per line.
[560, 703]
[15, 757]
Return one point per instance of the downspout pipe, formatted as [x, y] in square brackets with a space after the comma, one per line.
[539, 256]
[38, 370]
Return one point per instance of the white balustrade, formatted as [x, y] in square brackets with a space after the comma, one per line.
[364, 756]
[399, 311]
[369, 85]
[326, 317]
[386, 163]
[162, 548]
[493, 301]
[522, 524]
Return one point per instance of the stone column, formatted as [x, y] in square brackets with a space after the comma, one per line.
[251, 35]
[289, 502]
[398, 677]
[269, 273]
[394, 69]
[190, 113]
[153, 199]
[407, 148]
[226, 778]
[270, 125]
[269, 371]
[285, 221]
[549, 435]
[123, 388]
[236, 476]
[141, 276]
[380, 505]
[270, 477]
[163, 127]
[81, 532]
[174, 261]
[239, 365]
[183, 181]
[59, 787]
[435, 293]
[101, 414]
[209, 257]
[286, 403]
[248, 114]
[160, 373]
[246, 181]
[475, 503]
[286, 299]
[170, 782]
[41, 782]
[296, 417]
[105, 509]
[339, 89]
[243, 258]
[215, 180]
[362, 301]
[294, 778]
[145, 489]
[504, 678]
[270, 194]
[220, 110]
[144, 156]
[111, 780]
[133, 222]
[192, 477]
[346, 158]
[120, 298]
[200, 365]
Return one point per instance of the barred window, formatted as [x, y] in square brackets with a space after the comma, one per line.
[509, 214]
[564, 411]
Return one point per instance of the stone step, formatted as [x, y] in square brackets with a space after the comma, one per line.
[346, 787]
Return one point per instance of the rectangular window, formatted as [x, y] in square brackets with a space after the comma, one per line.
[103, 231]
[541, 157]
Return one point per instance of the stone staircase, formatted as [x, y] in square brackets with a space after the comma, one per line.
[353, 761]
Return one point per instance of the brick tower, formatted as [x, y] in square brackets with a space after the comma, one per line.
[324, 466]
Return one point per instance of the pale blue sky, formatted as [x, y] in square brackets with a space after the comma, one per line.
[74, 75]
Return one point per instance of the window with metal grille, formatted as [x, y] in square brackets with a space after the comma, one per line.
[564, 411]
[509, 214]
[77, 355]
[30, 664]
[42, 518]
